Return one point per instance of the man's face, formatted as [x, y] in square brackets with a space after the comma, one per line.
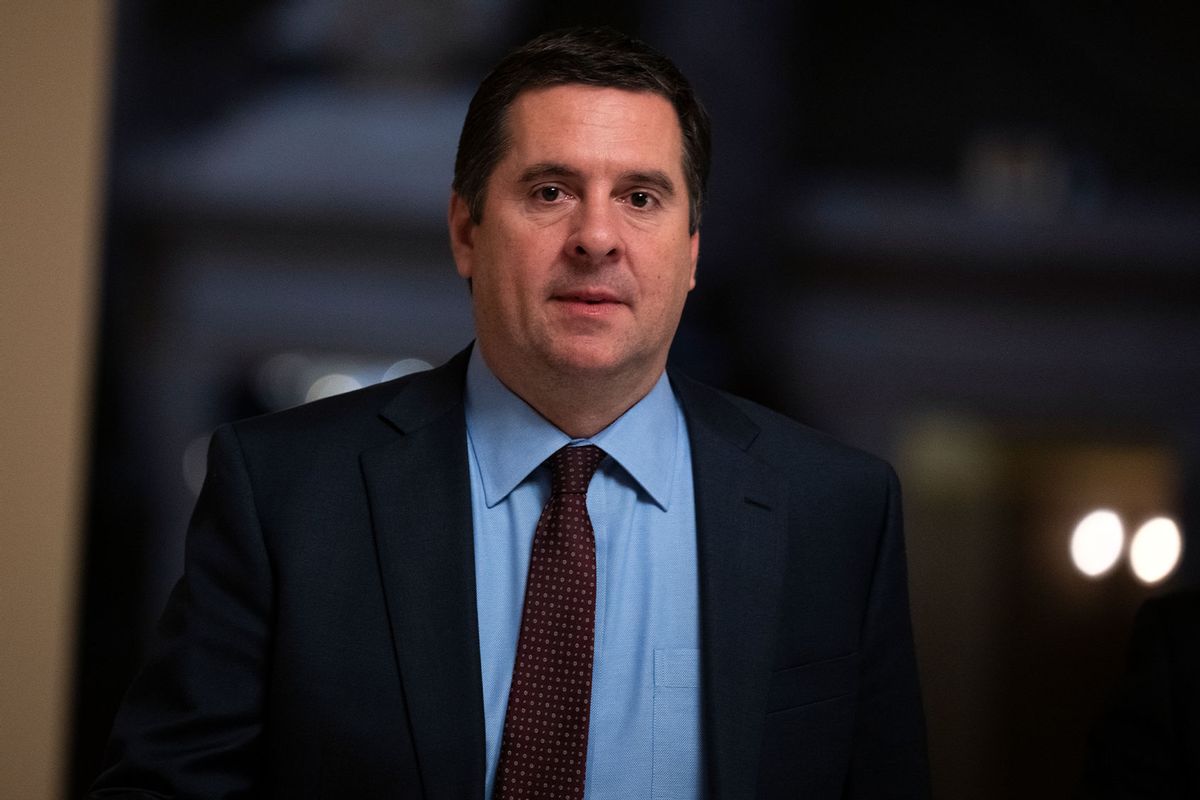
[582, 260]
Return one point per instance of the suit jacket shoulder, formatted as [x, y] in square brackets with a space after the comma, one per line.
[783, 443]
[355, 420]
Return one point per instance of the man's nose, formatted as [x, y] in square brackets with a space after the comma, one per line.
[595, 236]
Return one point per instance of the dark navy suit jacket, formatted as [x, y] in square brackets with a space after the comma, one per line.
[323, 640]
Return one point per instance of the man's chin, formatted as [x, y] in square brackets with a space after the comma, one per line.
[591, 363]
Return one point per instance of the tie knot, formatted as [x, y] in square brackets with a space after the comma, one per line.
[573, 468]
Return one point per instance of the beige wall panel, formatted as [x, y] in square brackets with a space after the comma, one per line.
[54, 66]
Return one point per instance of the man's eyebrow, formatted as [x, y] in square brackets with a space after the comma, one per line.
[542, 171]
[654, 179]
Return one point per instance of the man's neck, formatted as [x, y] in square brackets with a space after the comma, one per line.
[579, 405]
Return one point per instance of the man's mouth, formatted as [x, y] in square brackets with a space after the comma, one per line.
[591, 297]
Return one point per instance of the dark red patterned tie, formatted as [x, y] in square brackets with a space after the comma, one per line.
[543, 753]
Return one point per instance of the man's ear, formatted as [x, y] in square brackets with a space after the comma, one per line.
[462, 235]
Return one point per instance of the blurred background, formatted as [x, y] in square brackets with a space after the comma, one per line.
[964, 237]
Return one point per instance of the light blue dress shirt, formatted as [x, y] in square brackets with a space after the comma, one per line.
[644, 736]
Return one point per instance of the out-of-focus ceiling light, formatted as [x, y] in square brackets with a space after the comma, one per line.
[1097, 542]
[1155, 550]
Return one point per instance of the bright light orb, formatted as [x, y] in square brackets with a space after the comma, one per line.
[329, 385]
[1155, 550]
[405, 366]
[1097, 543]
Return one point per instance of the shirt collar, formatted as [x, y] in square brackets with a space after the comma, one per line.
[510, 440]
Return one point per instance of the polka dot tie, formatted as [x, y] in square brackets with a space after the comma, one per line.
[543, 753]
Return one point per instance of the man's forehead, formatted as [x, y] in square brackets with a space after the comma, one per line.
[563, 114]
[586, 95]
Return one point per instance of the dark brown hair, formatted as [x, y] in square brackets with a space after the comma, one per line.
[593, 57]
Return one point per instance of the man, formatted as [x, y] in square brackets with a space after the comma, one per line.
[724, 615]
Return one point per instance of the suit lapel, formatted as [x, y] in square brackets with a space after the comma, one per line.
[420, 497]
[741, 528]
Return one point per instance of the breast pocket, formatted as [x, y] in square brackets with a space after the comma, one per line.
[812, 683]
[809, 728]
[676, 757]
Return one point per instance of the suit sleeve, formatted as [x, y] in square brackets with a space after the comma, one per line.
[191, 722]
[889, 756]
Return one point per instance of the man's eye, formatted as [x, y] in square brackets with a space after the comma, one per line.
[640, 199]
[549, 193]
